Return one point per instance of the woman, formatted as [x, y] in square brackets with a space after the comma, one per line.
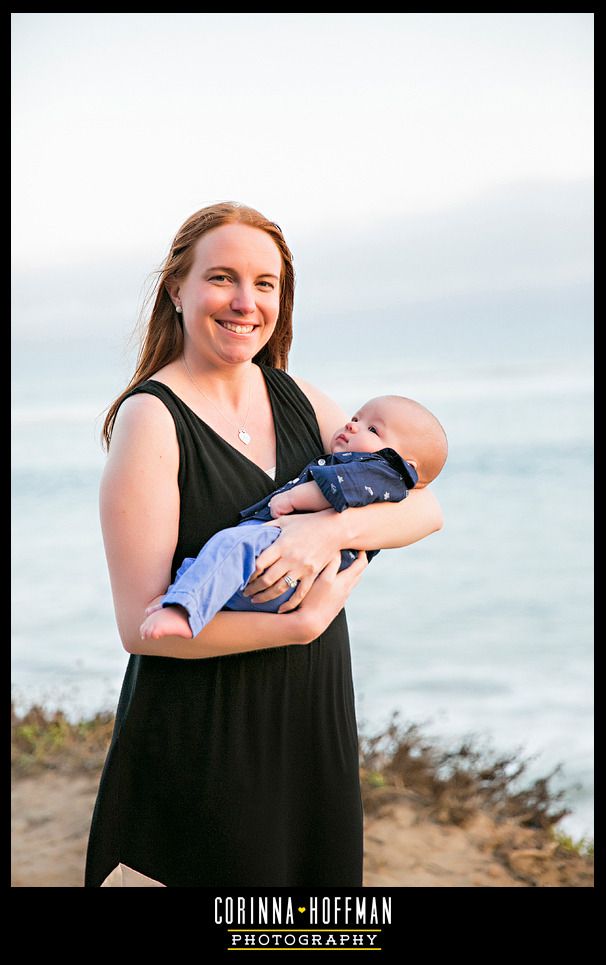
[234, 757]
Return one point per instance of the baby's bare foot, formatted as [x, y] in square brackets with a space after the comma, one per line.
[170, 621]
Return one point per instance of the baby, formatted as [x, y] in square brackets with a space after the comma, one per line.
[391, 445]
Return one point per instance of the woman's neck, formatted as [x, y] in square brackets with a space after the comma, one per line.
[227, 384]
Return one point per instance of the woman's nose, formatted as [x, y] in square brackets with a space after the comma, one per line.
[244, 300]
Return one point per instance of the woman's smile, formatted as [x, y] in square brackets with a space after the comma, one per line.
[236, 328]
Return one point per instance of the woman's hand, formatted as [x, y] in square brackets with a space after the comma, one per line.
[306, 545]
[328, 595]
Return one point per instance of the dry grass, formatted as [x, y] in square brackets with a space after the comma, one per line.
[453, 786]
[450, 787]
[43, 740]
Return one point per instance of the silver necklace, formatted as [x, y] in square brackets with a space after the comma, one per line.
[243, 435]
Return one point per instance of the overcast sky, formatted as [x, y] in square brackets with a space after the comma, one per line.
[340, 127]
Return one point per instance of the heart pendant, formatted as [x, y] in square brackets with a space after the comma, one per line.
[244, 436]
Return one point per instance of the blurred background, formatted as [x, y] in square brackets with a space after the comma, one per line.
[433, 176]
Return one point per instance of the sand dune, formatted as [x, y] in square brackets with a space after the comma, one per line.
[404, 847]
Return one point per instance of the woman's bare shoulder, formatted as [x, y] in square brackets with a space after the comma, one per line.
[141, 410]
[143, 420]
[316, 396]
[329, 413]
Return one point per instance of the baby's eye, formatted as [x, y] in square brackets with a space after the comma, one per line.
[372, 429]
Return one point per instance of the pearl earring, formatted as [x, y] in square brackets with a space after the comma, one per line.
[178, 308]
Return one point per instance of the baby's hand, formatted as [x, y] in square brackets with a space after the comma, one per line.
[280, 505]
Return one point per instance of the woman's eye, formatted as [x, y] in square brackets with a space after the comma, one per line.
[227, 278]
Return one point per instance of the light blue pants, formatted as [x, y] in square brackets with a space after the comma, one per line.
[215, 579]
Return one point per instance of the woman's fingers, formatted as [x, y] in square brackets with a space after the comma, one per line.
[271, 584]
[348, 577]
[267, 582]
[328, 573]
[300, 593]
[357, 567]
[264, 560]
[332, 567]
[255, 589]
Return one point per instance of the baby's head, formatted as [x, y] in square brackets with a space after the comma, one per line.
[394, 422]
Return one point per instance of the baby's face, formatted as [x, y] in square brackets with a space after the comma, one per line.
[375, 426]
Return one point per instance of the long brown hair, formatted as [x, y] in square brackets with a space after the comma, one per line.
[162, 339]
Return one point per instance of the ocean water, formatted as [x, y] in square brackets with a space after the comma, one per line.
[484, 628]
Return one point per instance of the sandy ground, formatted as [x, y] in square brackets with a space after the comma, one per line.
[403, 848]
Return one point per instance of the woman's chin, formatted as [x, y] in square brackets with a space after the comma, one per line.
[237, 353]
[239, 357]
[240, 350]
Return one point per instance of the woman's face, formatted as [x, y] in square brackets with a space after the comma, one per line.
[231, 295]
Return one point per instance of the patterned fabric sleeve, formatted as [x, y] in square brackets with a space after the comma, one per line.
[360, 483]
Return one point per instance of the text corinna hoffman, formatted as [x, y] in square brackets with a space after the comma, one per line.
[335, 910]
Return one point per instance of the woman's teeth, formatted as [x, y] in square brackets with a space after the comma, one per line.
[238, 329]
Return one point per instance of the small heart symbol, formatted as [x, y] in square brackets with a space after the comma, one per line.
[301, 909]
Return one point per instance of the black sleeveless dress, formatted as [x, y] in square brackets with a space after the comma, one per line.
[240, 770]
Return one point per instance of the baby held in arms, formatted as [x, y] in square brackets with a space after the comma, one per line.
[390, 446]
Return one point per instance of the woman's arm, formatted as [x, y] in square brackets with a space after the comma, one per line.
[236, 632]
[307, 541]
[139, 507]
[369, 527]
[383, 526]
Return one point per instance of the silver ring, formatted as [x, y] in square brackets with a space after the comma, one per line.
[290, 581]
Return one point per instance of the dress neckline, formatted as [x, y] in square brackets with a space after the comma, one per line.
[220, 437]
